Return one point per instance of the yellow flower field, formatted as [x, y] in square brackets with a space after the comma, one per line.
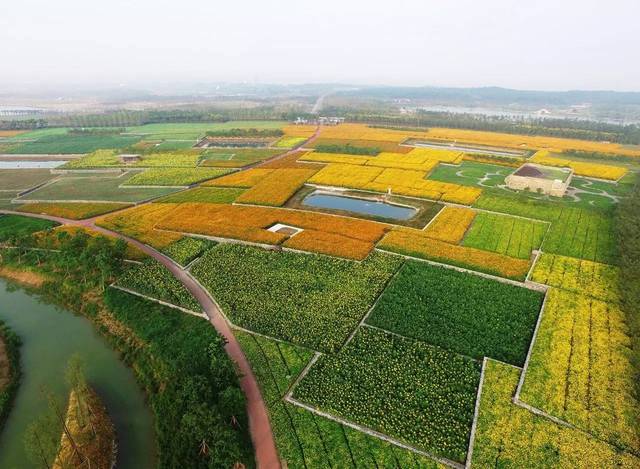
[400, 181]
[416, 243]
[277, 187]
[580, 370]
[587, 277]
[508, 435]
[594, 170]
[451, 224]
[140, 223]
[73, 211]
[326, 233]
[495, 139]
[247, 178]
[299, 130]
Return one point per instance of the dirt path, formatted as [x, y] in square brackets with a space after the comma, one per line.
[259, 425]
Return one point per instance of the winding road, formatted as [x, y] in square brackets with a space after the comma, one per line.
[266, 454]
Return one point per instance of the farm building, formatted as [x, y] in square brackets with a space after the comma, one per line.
[129, 158]
[538, 178]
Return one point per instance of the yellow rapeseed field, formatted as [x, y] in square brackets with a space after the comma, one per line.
[580, 168]
[451, 224]
[277, 187]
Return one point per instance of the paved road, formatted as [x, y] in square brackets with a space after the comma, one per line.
[259, 425]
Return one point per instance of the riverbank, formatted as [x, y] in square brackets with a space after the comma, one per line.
[9, 370]
[91, 437]
[178, 360]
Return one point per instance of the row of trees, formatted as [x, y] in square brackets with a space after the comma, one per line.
[628, 234]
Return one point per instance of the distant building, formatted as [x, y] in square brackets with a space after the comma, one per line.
[541, 179]
[330, 120]
[129, 158]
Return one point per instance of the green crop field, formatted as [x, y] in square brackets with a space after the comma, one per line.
[515, 237]
[15, 225]
[22, 179]
[96, 188]
[196, 130]
[212, 195]
[187, 249]
[463, 313]
[311, 300]
[61, 143]
[174, 176]
[421, 394]
[236, 157]
[307, 440]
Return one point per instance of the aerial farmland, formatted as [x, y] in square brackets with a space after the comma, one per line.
[392, 299]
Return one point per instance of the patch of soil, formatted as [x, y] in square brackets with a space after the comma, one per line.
[31, 279]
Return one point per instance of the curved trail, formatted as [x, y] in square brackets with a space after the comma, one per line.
[266, 454]
[259, 424]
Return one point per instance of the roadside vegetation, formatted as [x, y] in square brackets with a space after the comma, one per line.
[10, 372]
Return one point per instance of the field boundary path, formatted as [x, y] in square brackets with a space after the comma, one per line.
[264, 445]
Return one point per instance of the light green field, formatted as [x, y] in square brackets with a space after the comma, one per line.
[22, 179]
[96, 188]
[196, 130]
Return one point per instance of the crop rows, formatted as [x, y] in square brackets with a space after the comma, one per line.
[152, 279]
[308, 300]
[460, 312]
[235, 158]
[403, 388]
[416, 243]
[600, 171]
[242, 179]
[277, 187]
[589, 278]
[187, 249]
[307, 440]
[580, 369]
[451, 224]
[211, 195]
[508, 435]
[73, 211]
[399, 181]
[514, 237]
[17, 226]
[174, 176]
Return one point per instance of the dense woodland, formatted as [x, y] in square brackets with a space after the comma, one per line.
[628, 231]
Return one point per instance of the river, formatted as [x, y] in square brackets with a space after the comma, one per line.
[50, 336]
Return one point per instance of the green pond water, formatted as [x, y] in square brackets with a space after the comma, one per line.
[50, 336]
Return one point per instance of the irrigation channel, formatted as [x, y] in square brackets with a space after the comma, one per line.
[50, 336]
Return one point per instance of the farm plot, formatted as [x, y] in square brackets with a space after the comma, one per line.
[17, 226]
[574, 232]
[508, 435]
[399, 181]
[374, 146]
[102, 188]
[593, 279]
[325, 234]
[212, 195]
[236, 157]
[16, 180]
[290, 142]
[174, 176]
[580, 369]
[409, 390]
[153, 279]
[450, 225]
[187, 249]
[303, 438]
[195, 130]
[308, 300]
[600, 171]
[277, 187]
[70, 144]
[139, 223]
[460, 312]
[242, 179]
[73, 211]
[514, 237]
[417, 243]
[109, 158]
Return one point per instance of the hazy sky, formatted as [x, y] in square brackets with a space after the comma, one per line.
[530, 44]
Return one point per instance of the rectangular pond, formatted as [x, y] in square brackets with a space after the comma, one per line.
[361, 206]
